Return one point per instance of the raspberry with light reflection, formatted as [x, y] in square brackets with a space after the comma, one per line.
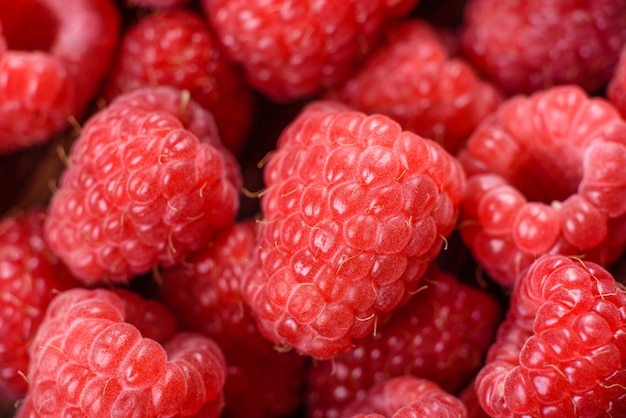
[354, 211]
[545, 175]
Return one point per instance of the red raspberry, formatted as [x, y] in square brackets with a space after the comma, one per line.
[30, 276]
[88, 360]
[205, 293]
[144, 186]
[525, 46]
[561, 351]
[469, 397]
[616, 90]
[294, 49]
[175, 48]
[441, 334]
[412, 79]
[545, 175]
[53, 55]
[355, 208]
[406, 396]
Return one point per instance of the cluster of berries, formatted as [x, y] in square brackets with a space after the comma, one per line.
[319, 209]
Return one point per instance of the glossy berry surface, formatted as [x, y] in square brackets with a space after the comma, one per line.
[545, 173]
[147, 182]
[561, 351]
[354, 210]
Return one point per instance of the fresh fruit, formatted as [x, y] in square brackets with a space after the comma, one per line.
[441, 334]
[144, 186]
[354, 211]
[205, 294]
[406, 396]
[527, 46]
[545, 175]
[616, 90]
[47, 76]
[30, 277]
[175, 48]
[292, 50]
[86, 360]
[414, 80]
[561, 350]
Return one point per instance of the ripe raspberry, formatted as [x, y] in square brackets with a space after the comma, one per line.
[175, 48]
[545, 175]
[562, 348]
[616, 90]
[205, 294]
[441, 334]
[354, 210]
[53, 56]
[144, 186]
[86, 360]
[293, 49]
[406, 396]
[526, 46]
[30, 276]
[412, 79]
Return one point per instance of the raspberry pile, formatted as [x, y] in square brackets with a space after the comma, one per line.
[312, 208]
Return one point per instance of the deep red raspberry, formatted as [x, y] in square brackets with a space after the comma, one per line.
[406, 396]
[205, 293]
[30, 277]
[545, 175]
[354, 210]
[526, 46]
[412, 79]
[144, 186]
[616, 89]
[294, 49]
[53, 57]
[175, 48]
[86, 360]
[562, 348]
[441, 334]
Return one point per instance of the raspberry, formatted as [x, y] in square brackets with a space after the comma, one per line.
[616, 89]
[174, 48]
[561, 350]
[144, 186]
[529, 46]
[405, 396]
[545, 175]
[53, 56]
[30, 276]
[441, 334]
[294, 49]
[87, 360]
[354, 210]
[412, 79]
[205, 293]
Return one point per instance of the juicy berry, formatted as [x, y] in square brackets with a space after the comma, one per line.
[545, 175]
[354, 211]
[147, 183]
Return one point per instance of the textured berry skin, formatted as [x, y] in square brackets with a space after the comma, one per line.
[86, 360]
[545, 175]
[205, 294]
[30, 276]
[413, 79]
[526, 46]
[354, 210]
[145, 185]
[294, 49]
[53, 57]
[441, 334]
[561, 351]
[406, 396]
[616, 89]
[175, 48]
